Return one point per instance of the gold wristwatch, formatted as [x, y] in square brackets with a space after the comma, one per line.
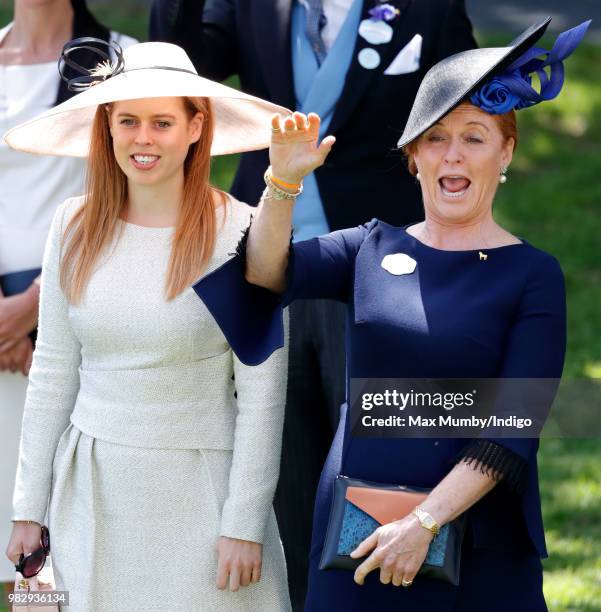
[426, 520]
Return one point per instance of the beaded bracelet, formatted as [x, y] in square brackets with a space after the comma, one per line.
[271, 192]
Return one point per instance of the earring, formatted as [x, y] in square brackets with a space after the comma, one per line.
[418, 177]
[503, 177]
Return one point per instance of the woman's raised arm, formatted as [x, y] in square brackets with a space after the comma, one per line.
[294, 153]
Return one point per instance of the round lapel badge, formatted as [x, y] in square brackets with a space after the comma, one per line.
[369, 58]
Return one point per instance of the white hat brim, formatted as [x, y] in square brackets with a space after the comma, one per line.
[242, 122]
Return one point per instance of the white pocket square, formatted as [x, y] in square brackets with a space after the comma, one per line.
[407, 59]
[398, 264]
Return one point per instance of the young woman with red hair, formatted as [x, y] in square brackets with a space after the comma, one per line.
[153, 447]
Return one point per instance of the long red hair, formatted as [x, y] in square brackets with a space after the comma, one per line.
[94, 225]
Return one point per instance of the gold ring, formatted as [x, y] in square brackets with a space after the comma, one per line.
[406, 583]
[275, 129]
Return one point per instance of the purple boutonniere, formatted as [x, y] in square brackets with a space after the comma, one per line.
[384, 12]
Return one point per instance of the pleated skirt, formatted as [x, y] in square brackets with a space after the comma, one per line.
[13, 388]
[135, 529]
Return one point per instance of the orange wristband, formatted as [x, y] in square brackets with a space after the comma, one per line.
[280, 183]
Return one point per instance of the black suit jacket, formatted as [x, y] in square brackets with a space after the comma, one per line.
[363, 177]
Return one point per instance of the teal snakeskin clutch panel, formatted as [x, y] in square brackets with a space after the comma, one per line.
[358, 525]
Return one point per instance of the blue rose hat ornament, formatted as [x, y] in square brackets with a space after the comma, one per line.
[497, 80]
[513, 90]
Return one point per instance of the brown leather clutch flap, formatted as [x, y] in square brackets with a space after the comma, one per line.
[384, 505]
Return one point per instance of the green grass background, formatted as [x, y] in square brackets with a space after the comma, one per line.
[552, 199]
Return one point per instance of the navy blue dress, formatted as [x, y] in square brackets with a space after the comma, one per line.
[458, 315]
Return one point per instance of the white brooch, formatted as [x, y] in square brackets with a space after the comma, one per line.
[375, 32]
[399, 264]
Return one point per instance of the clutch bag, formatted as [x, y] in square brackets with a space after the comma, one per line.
[359, 507]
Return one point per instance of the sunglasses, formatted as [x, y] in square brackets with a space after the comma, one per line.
[31, 565]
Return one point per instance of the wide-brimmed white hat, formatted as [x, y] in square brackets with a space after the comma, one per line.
[146, 70]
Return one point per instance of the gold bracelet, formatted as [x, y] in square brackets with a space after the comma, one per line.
[273, 193]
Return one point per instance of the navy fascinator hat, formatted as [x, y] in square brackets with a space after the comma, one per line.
[497, 80]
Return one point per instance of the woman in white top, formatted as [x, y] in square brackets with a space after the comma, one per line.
[31, 188]
[158, 447]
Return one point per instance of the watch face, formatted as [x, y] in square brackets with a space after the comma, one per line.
[427, 521]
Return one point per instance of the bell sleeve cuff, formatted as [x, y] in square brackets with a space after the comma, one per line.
[249, 316]
[500, 463]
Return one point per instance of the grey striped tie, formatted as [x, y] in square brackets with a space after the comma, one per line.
[316, 20]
